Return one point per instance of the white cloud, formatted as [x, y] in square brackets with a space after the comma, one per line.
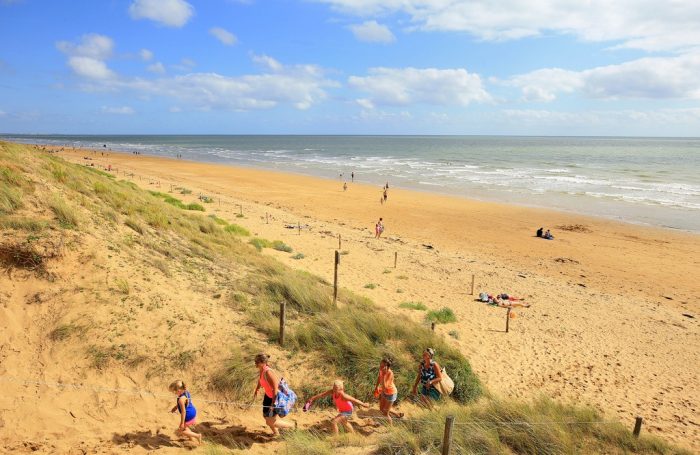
[175, 109]
[173, 13]
[268, 62]
[640, 24]
[156, 67]
[372, 32]
[300, 86]
[92, 45]
[146, 55]
[223, 35]
[655, 78]
[123, 110]
[404, 86]
[90, 68]
[3, 113]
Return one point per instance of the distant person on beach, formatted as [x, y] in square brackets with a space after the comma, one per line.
[352, 176]
[428, 375]
[269, 382]
[345, 186]
[188, 413]
[385, 390]
[548, 235]
[385, 195]
[539, 232]
[343, 403]
[378, 229]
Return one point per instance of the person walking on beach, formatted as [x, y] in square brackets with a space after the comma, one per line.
[385, 194]
[428, 375]
[345, 186]
[352, 176]
[188, 413]
[385, 390]
[378, 229]
[269, 381]
[343, 403]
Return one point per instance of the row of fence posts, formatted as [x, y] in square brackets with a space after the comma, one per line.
[449, 420]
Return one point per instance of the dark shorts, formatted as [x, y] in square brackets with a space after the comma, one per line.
[269, 409]
[430, 393]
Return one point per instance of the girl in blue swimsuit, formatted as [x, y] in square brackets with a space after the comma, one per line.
[188, 413]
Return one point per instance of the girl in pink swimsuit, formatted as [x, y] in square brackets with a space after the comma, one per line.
[343, 402]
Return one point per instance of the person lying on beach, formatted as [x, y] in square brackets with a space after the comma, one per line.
[343, 402]
[507, 301]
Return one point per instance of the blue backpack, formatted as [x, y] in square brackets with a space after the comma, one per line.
[286, 398]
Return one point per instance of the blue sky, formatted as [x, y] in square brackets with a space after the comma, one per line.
[535, 67]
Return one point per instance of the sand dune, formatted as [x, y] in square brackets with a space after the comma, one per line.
[613, 321]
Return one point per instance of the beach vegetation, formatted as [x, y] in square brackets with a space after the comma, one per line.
[194, 206]
[370, 286]
[122, 285]
[259, 243]
[218, 220]
[402, 277]
[298, 256]
[23, 224]
[441, 316]
[185, 191]
[420, 306]
[66, 215]
[281, 246]
[237, 230]
[135, 225]
[63, 331]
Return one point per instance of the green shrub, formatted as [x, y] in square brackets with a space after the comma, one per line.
[441, 316]
[413, 306]
[218, 220]
[174, 202]
[194, 206]
[298, 256]
[370, 286]
[259, 243]
[281, 246]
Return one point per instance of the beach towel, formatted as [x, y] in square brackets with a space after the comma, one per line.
[484, 297]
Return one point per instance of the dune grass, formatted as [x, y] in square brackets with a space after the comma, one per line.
[420, 306]
[237, 230]
[281, 246]
[23, 224]
[65, 214]
[441, 316]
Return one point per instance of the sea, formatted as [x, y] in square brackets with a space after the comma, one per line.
[647, 181]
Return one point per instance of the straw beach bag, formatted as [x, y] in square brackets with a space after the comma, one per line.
[446, 384]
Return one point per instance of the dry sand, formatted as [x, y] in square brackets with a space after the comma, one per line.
[614, 316]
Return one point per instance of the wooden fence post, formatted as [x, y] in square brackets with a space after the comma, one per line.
[447, 438]
[507, 319]
[340, 243]
[267, 218]
[637, 426]
[396, 257]
[240, 209]
[432, 326]
[335, 277]
[283, 307]
[299, 227]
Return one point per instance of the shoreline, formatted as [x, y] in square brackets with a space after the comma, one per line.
[609, 299]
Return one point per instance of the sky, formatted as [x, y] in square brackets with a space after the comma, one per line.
[476, 67]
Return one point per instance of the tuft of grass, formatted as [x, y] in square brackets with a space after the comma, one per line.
[402, 277]
[122, 286]
[454, 334]
[23, 224]
[259, 243]
[441, 316]
[218, 220]
[298, 256]
[307, 443]
[185, 191]
[237, 230]
[194, 206]
[413, 306]
[233, 379]
[174, 202]
[386, 271]
[370, 286]
[281, 246]
[133, 224]
[66, 216]
[183, 359]
[63, 331]
[99, 357]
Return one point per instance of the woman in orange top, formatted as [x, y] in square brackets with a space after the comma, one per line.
[269, 382]
[386, 389]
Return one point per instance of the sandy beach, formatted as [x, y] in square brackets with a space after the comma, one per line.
[613, 321]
